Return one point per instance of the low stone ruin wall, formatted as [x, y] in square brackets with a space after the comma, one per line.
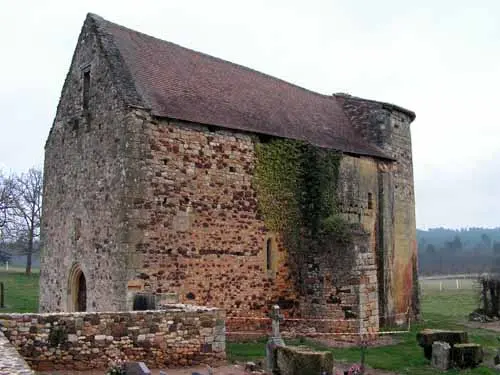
[179, 336]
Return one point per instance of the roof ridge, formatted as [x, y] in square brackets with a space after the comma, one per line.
[181, 83]
[267, 75]
[117, 63]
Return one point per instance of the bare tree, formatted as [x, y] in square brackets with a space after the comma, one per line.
[6, 200]
[23, 219]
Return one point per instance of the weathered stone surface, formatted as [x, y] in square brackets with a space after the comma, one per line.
[161, 338]
[467, 355]
[136, 368]
[427, 337]
[441, 355]
[302, 361]
[389, 127]
[83, 215]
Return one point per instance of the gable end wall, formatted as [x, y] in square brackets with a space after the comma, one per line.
[84, 188]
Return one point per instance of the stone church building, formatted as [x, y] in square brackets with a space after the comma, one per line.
[149, 188]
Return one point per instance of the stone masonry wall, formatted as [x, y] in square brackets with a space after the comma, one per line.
[199, 236]
[81, 341]
[84, 196]
[359, 203]
[389, 127]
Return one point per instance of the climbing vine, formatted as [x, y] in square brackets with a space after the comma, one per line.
[57, 336]
[296, 187]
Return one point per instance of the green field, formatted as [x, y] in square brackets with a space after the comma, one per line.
[447, 284]
[447, 308]
[21, 291]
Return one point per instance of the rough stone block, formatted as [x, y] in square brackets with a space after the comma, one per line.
[303, 361]
[427, 337]
[100, 339]
[219, 346]
[441, 355]
[136, 368]
[72, 338]
[467, 355]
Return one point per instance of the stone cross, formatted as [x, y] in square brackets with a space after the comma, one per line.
[277, 318]
[275, 339]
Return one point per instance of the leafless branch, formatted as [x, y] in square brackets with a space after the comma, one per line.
[7, 200]
[22, 217]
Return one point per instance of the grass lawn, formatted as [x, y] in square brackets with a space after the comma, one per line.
[447, 310]
[21, 291]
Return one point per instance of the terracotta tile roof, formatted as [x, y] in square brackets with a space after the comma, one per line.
[179, 83]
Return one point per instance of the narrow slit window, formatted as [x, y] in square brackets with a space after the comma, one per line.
[78, 228]
[269, 254]
[370, 201]
[86, 89]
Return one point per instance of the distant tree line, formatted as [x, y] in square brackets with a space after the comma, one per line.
[20, 211]
[445, 251]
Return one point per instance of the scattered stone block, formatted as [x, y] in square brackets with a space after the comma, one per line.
[250, 366]
[427, 337]
[301, 360]
[467, 355]
[136, 368]
[441, 355]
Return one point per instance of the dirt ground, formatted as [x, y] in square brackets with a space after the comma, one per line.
[224, 370]
[492, 326]
[383, 340]
[239, 369]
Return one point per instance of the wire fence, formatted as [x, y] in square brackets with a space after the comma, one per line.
[353, 322]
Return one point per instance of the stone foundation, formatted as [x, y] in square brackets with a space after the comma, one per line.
[179, 336]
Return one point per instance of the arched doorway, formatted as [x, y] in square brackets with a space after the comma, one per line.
[77, 289]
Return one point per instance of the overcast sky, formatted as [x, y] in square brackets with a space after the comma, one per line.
[439, 58]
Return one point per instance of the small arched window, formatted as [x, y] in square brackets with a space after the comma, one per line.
[370, 201]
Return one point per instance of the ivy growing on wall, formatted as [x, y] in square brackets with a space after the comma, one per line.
[57, 336]
[296, 187]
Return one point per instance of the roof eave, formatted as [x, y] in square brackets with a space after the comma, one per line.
[385, 105]
[377, 155]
